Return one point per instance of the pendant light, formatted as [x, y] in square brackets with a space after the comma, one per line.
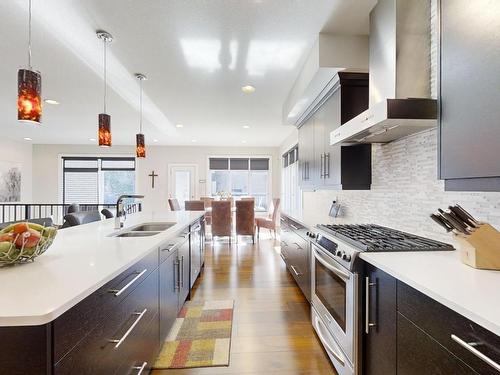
[29, 88]
[104, 119]
[140, 143]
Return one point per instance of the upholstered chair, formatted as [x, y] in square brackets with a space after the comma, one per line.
[73, 207]
[194, 205]
[269, 222]
[107, 213]
[174, 204]
[80, 217]
[221, 219]
[245, 219]
[207, 200]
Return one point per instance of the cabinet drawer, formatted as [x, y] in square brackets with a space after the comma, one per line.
[71, 327]
[106, 346]
[444, 323]
[419, 354]
[169, 247]
[141, 351]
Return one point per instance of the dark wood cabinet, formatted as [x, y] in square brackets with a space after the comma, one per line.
[183, 257]
[116, 330]
[412, 334]
[295, 252]
[335, 167]
[419, 353]
[469, 95]
[379, 322]
[169, 293]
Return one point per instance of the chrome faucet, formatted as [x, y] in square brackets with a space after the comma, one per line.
[120, 210]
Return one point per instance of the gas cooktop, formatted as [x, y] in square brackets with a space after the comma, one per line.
[375, 238]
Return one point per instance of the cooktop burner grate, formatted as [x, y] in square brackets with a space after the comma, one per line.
[374, 238]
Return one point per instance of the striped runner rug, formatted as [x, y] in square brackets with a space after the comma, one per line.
[200, 336]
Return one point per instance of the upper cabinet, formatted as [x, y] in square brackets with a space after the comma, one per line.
[335, 167]
[469, 139]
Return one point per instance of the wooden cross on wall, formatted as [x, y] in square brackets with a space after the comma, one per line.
[153, 175]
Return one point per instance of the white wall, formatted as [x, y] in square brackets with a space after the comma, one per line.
[47, 157]
[20, 152]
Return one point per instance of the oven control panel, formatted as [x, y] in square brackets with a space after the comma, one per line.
[340, 251]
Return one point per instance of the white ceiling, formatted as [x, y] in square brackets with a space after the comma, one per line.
[196, 53]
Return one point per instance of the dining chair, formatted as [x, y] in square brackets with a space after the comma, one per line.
[245, 219]
[73, 207]
[174, 204]
[207, 200]
[221, 219]
[107, 213]
[194, 205]
[208, 206]
[269, 221]
[247, 198]
[80, 217]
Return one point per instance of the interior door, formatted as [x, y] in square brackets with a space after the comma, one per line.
[182, 183]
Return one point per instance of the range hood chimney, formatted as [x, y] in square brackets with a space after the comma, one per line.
[400, 69]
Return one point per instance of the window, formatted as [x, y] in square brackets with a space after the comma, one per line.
[89, 180]
[240, 177]
[291, 196]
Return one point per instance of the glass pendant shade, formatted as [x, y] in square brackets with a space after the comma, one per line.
[140, 148]
[29, 96]
[104, 130]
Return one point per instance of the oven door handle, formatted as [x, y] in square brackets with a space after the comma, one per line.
[337, 271]
[338, 356]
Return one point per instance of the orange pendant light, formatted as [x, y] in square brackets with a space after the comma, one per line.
[140, 142]
[29, 88]
[104, 120]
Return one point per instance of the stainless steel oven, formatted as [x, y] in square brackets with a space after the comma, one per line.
[335, 304]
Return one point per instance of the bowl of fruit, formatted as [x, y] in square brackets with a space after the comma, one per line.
[23, 242]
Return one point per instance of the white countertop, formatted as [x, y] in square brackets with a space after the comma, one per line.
[470, 292]
[80, 261]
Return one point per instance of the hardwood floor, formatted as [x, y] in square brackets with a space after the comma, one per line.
[272, 332]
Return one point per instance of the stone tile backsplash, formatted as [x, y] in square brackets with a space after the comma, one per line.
[405, 191]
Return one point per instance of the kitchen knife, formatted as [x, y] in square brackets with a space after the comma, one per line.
[460, 208]
[455, 224]
[439, 219]
[460, 215]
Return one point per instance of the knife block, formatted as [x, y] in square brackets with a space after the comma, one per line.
[481, 248]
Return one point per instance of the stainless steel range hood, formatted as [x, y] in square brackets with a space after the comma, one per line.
[400, 72]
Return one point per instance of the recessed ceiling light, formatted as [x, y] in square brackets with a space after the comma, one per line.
[51, 101]
[92, 139]
[246, 127]
[193, 140]
[155, 140]
[179, 126]
[243, 141]
[248, 89]
[27, 139]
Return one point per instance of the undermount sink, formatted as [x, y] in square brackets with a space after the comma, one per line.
[137, 234]
[151, 227]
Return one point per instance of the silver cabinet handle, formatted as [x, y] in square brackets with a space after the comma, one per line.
[176, 276]
[327, 165]
[336, 354]
[470, 347]
[140, 368]
[294, 227]
[295, 271]
[181, 275]
[283, 256]
[322, 166]
[298, 246]
[368, 324]
[118, 342]
[117, 292]
[170, 247]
